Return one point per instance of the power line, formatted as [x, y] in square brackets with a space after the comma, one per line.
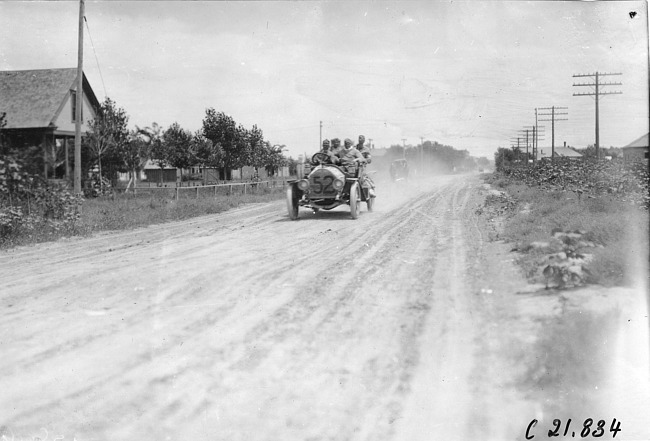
[597, 93]
[96, 59]
[553, 119]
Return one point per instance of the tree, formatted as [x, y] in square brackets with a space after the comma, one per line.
[503, 157]
[257, 148]
[207, 154]
[293, 166]
[136, 154]
[224, 133]
[273, 158]
[179, 147]
[107, 133]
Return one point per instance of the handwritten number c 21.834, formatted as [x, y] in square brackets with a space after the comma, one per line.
[585, 432]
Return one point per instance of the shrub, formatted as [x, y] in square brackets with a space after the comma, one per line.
[32, 209]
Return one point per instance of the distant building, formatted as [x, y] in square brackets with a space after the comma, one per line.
[152, 172]
[637, 149]
[41, 111]
[560, 152]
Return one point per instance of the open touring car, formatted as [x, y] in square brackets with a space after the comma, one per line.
[326, 186]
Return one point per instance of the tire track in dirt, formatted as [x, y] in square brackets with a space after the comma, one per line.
[441, 406]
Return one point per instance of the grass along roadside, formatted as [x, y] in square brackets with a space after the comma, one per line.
[124, 212]
[563, 240]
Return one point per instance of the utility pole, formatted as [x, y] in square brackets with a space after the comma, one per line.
[597, 93]
[79, 103]
[320, 140]
[534, 135]
[532, 138]
[535, 140]
[370, 141]
[528, 130]
[553, 119]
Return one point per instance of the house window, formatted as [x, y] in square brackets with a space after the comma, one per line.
[73, 102]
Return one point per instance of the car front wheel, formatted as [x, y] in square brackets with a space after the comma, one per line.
[354, 200]
[292, 202]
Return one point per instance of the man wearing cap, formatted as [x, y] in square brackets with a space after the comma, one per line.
[326, 146]
[365, 152]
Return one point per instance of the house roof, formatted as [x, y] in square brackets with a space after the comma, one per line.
[33, 98]
[545, 152]
[150, 164]
[641, 142]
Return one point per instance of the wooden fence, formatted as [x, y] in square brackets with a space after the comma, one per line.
[211, 190]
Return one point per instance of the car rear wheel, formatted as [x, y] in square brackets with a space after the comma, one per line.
[292, 202]
[354, 200]
[370, 202]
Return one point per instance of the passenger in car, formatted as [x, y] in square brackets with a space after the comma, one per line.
[350, 157]
[365, 152]
[335, 146]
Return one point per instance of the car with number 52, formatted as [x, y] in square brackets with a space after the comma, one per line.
[326, 186]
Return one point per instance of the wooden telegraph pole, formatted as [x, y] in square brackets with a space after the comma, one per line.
[597, 93]
[554, 113]
[79, 104]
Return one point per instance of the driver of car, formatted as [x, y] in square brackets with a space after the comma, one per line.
[326, 146]
[325, 150]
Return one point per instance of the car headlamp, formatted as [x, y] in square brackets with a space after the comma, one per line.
[338, 184]
[303, 184]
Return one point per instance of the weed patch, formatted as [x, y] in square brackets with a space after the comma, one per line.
[564, 240]
[70, 216]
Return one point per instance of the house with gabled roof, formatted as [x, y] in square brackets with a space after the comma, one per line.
[40, 107]
[637, 149]
[560, 152]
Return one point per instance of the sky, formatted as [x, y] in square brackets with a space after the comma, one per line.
[465, 74]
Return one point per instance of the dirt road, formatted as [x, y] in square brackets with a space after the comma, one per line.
[400, 325]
